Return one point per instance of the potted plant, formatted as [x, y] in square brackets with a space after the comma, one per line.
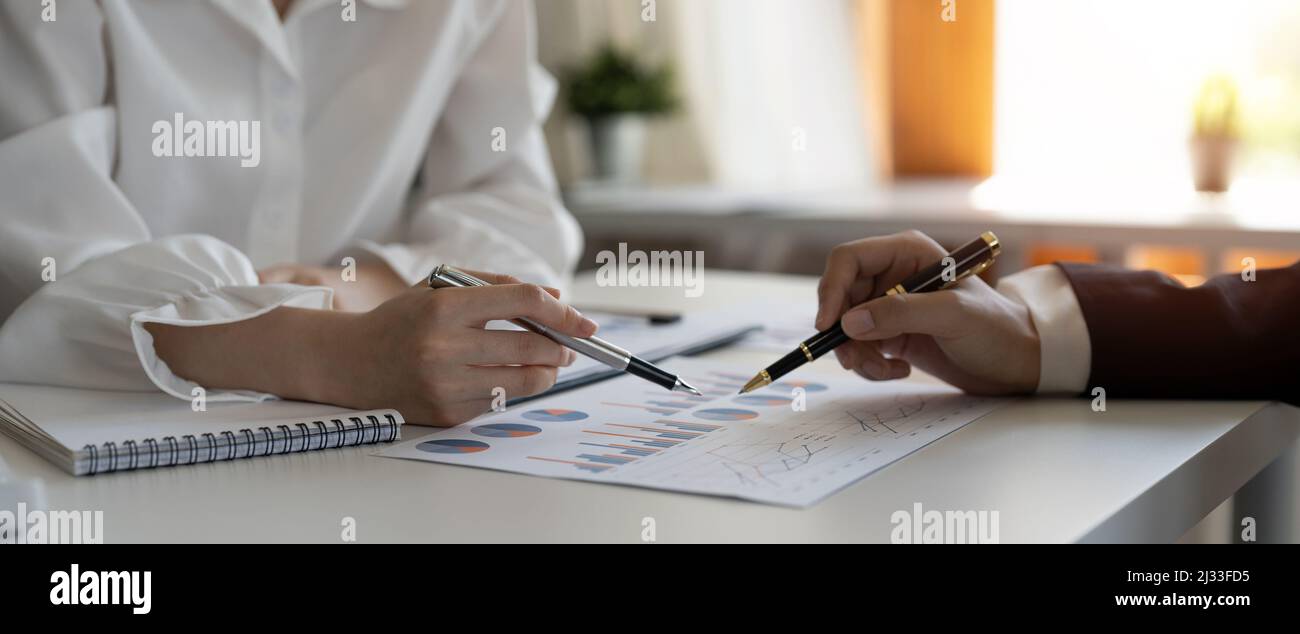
[616, 95]
[1215, 135]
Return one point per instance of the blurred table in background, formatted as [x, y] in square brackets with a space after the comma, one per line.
[1181, 233]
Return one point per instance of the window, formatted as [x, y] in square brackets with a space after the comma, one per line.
[1101, 92]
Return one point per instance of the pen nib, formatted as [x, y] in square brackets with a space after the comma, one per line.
[760, 380]
[683, 386]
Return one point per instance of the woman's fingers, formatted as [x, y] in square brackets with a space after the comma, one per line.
[507, 347]
[523, 300]
[517, 381]
[499, 279]
[479, 387]
[494, 278]
[482, 384]
[452, 414]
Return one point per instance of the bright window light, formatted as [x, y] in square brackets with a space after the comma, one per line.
[1098, 95]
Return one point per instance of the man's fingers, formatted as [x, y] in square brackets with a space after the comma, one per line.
[894, 347]
[844, 354]
[526, 300]
[505, 347]
[884, 370]
[853, 264]
[936, 314]
[871, 362]
[843, 269]
[859, 291]
[852, 269]
[850, 354]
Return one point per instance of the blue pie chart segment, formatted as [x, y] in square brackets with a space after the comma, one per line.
[452, 445]
[554, 415]
[506, 430]
[725, 414]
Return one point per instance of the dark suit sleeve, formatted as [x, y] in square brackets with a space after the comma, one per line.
[1226, 339]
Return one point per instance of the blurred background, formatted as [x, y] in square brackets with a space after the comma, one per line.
[1157, 134]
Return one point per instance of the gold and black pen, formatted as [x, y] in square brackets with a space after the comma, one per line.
[972, 258]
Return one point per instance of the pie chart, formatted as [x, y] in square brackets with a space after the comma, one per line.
[554, 415]
[506, 430]
[764, 400]
[725, 414]
[452, 445]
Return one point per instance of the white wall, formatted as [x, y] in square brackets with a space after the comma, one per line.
[772, 88]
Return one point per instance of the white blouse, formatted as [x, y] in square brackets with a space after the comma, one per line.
[411, 134]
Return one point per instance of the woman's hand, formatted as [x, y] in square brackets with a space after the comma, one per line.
[426, 353]
[374, 284]
[970, 335]
[423, 352]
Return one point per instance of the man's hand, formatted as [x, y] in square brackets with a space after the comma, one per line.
[375, 283]
[969, 335]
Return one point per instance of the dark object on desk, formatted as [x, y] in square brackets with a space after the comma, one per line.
[655, 319]
[971, 258]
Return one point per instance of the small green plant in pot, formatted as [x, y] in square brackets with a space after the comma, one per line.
[615, 94]
[1215, 135]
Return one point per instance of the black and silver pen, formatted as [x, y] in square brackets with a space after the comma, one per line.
[445, 276]
[969, 259]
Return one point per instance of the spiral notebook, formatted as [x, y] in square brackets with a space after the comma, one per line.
[87, 432]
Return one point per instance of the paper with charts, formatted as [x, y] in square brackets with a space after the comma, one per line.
[755, 446]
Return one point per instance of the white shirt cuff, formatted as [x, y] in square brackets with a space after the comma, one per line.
[1062, 332]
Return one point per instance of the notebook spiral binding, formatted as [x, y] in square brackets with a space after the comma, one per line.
[150, 453]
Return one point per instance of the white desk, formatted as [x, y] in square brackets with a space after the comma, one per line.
[1055, 471]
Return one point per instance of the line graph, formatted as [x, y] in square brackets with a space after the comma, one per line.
[760, 459]
[903, 407]
[784, 455]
